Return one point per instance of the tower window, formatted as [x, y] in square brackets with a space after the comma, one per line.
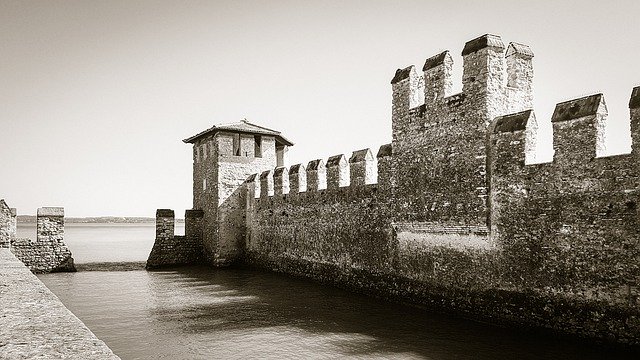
[236, 144]
[204, 184]
[258, 145]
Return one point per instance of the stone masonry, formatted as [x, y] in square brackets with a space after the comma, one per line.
[454, 214]
[48, 253]
[173, 250]
[35, 324]
[223, 157]
[7, 224]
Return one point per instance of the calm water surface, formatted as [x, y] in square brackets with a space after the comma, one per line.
[105, 242]
[201, 313]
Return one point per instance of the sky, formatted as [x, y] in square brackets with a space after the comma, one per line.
[96, 96]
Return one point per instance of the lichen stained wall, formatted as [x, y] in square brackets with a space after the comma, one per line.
[439, 143]
[346, 227]
[460, 219]
[569, 226]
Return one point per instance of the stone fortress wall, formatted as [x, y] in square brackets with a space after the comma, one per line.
[455, 214]
[459, 218]
[48, 253]
[173, 250]
[218, 175]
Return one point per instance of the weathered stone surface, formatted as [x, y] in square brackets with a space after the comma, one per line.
[48, 253]
[520, 50]
[401, 74]
[7, 225]
[297, 178]
[172, 250]
[436, 60]
[484, 41]
[512, 122]
[51, 211]
[281, 180]
[316, 175]
[460, 222]
[579, 130]
[362, 167]
[337, 172]
[575, 109]
[634, 102]
[35, 324]
[460, 219]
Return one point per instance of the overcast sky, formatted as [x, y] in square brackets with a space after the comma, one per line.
[96, 95]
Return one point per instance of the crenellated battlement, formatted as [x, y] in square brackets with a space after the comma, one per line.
[48, 251]
[361, 169]
[493, 78]
[456, 207]
[438, 135]
[579, 129]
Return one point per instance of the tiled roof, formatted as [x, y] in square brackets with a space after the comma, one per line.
[242, 126]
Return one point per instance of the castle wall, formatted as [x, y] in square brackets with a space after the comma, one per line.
[7, 224]
[570, 226]
[562, 257]
[174, 250]
[48, 253]
[453, 214]
[458, 220]
[440, 144]
[205, 187]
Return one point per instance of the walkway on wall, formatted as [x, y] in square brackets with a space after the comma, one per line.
[34, 321]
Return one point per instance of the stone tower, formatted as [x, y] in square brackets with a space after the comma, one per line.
[223, 157]
[439, 139]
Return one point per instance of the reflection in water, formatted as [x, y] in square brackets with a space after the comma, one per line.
[200, 313]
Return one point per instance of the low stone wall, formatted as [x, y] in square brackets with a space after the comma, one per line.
[172, 250]
[7, 224]
[43, 256]
[48, 253]
[35, 324]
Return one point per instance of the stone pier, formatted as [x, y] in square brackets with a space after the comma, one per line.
[35, 323]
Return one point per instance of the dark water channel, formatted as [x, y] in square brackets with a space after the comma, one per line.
[201, 313]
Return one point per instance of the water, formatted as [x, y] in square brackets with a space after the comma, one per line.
[202, 313]
[91, 243]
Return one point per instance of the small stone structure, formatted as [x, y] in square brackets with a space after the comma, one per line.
[48, 253]
[453, 214]
[172, 250]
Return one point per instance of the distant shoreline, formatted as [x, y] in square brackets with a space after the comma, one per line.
[27, 219]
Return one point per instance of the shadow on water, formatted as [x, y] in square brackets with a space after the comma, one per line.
[208, 301]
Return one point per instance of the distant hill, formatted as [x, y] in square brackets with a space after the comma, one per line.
[98, 220]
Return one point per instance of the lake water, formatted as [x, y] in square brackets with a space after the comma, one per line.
[91, 243]
[202, 313]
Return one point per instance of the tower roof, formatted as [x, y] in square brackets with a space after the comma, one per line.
[242, 126]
